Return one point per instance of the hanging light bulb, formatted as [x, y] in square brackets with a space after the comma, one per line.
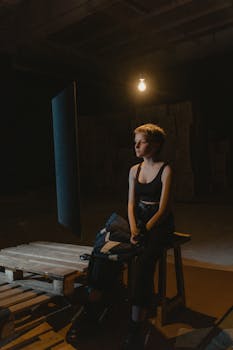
[141, 85]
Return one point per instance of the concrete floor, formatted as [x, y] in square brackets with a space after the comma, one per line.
[209, 284]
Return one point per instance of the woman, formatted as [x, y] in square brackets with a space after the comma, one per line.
[150, 216]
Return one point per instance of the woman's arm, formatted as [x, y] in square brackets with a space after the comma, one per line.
[164, 203]
[131, 203]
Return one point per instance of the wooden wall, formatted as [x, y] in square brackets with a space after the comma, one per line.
[177, 120]
[106, 147]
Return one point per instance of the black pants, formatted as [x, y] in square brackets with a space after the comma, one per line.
[144, 264]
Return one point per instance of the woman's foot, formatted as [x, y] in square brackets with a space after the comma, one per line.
[133, 342]
[135, 339]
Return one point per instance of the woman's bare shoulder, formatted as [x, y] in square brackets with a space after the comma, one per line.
[167, 168]
[167, 171]
[133, 170]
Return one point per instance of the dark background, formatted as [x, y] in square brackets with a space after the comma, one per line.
[105, 113]
[183, 49]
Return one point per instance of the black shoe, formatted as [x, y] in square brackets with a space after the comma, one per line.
[138, 336]
[133, 341]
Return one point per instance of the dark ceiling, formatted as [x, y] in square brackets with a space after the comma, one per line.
[112, 37]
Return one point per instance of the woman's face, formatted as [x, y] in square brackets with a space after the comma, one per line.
[143, 148]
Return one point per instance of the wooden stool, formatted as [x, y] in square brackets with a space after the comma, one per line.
[167, 305]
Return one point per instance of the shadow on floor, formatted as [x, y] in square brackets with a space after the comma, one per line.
[192, 318]
[113, 330]
[217, 337]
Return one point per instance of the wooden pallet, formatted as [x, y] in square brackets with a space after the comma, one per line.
[16, 300]
[41, 337]
[57, 262]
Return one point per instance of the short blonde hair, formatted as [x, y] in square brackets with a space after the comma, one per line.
[152, 132]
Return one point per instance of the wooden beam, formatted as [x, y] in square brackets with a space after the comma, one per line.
[137, 7]
[70, 54]
[208, 29]
[131, 24]
[176, 39]
[203, 9]
[37, 19]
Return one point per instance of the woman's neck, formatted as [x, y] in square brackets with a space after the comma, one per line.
[150, 161]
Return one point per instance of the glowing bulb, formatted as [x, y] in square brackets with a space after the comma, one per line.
[141, 85]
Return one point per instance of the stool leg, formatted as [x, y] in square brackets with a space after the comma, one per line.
[179, 274]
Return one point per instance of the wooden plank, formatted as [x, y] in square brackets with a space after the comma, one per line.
[11, 292]
[6, 259]
[46, 340]
[73, 248]
[7, 286]
[47, 252]
[29, 303]
[79, 266]
[44, 286]
[39, 268]
[63, 346]
[29, 324]
[10, 262]
[17, 299]
[36, 252]
[42, 328]
[23, 325]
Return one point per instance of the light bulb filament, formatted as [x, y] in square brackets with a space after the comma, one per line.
[141, 84]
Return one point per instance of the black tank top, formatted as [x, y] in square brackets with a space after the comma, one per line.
[149, 192]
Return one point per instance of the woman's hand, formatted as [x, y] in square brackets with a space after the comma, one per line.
[133, 238]
[148, 226]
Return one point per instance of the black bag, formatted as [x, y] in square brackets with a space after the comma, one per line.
[104, 274]
[113, 241]
[106, 264]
